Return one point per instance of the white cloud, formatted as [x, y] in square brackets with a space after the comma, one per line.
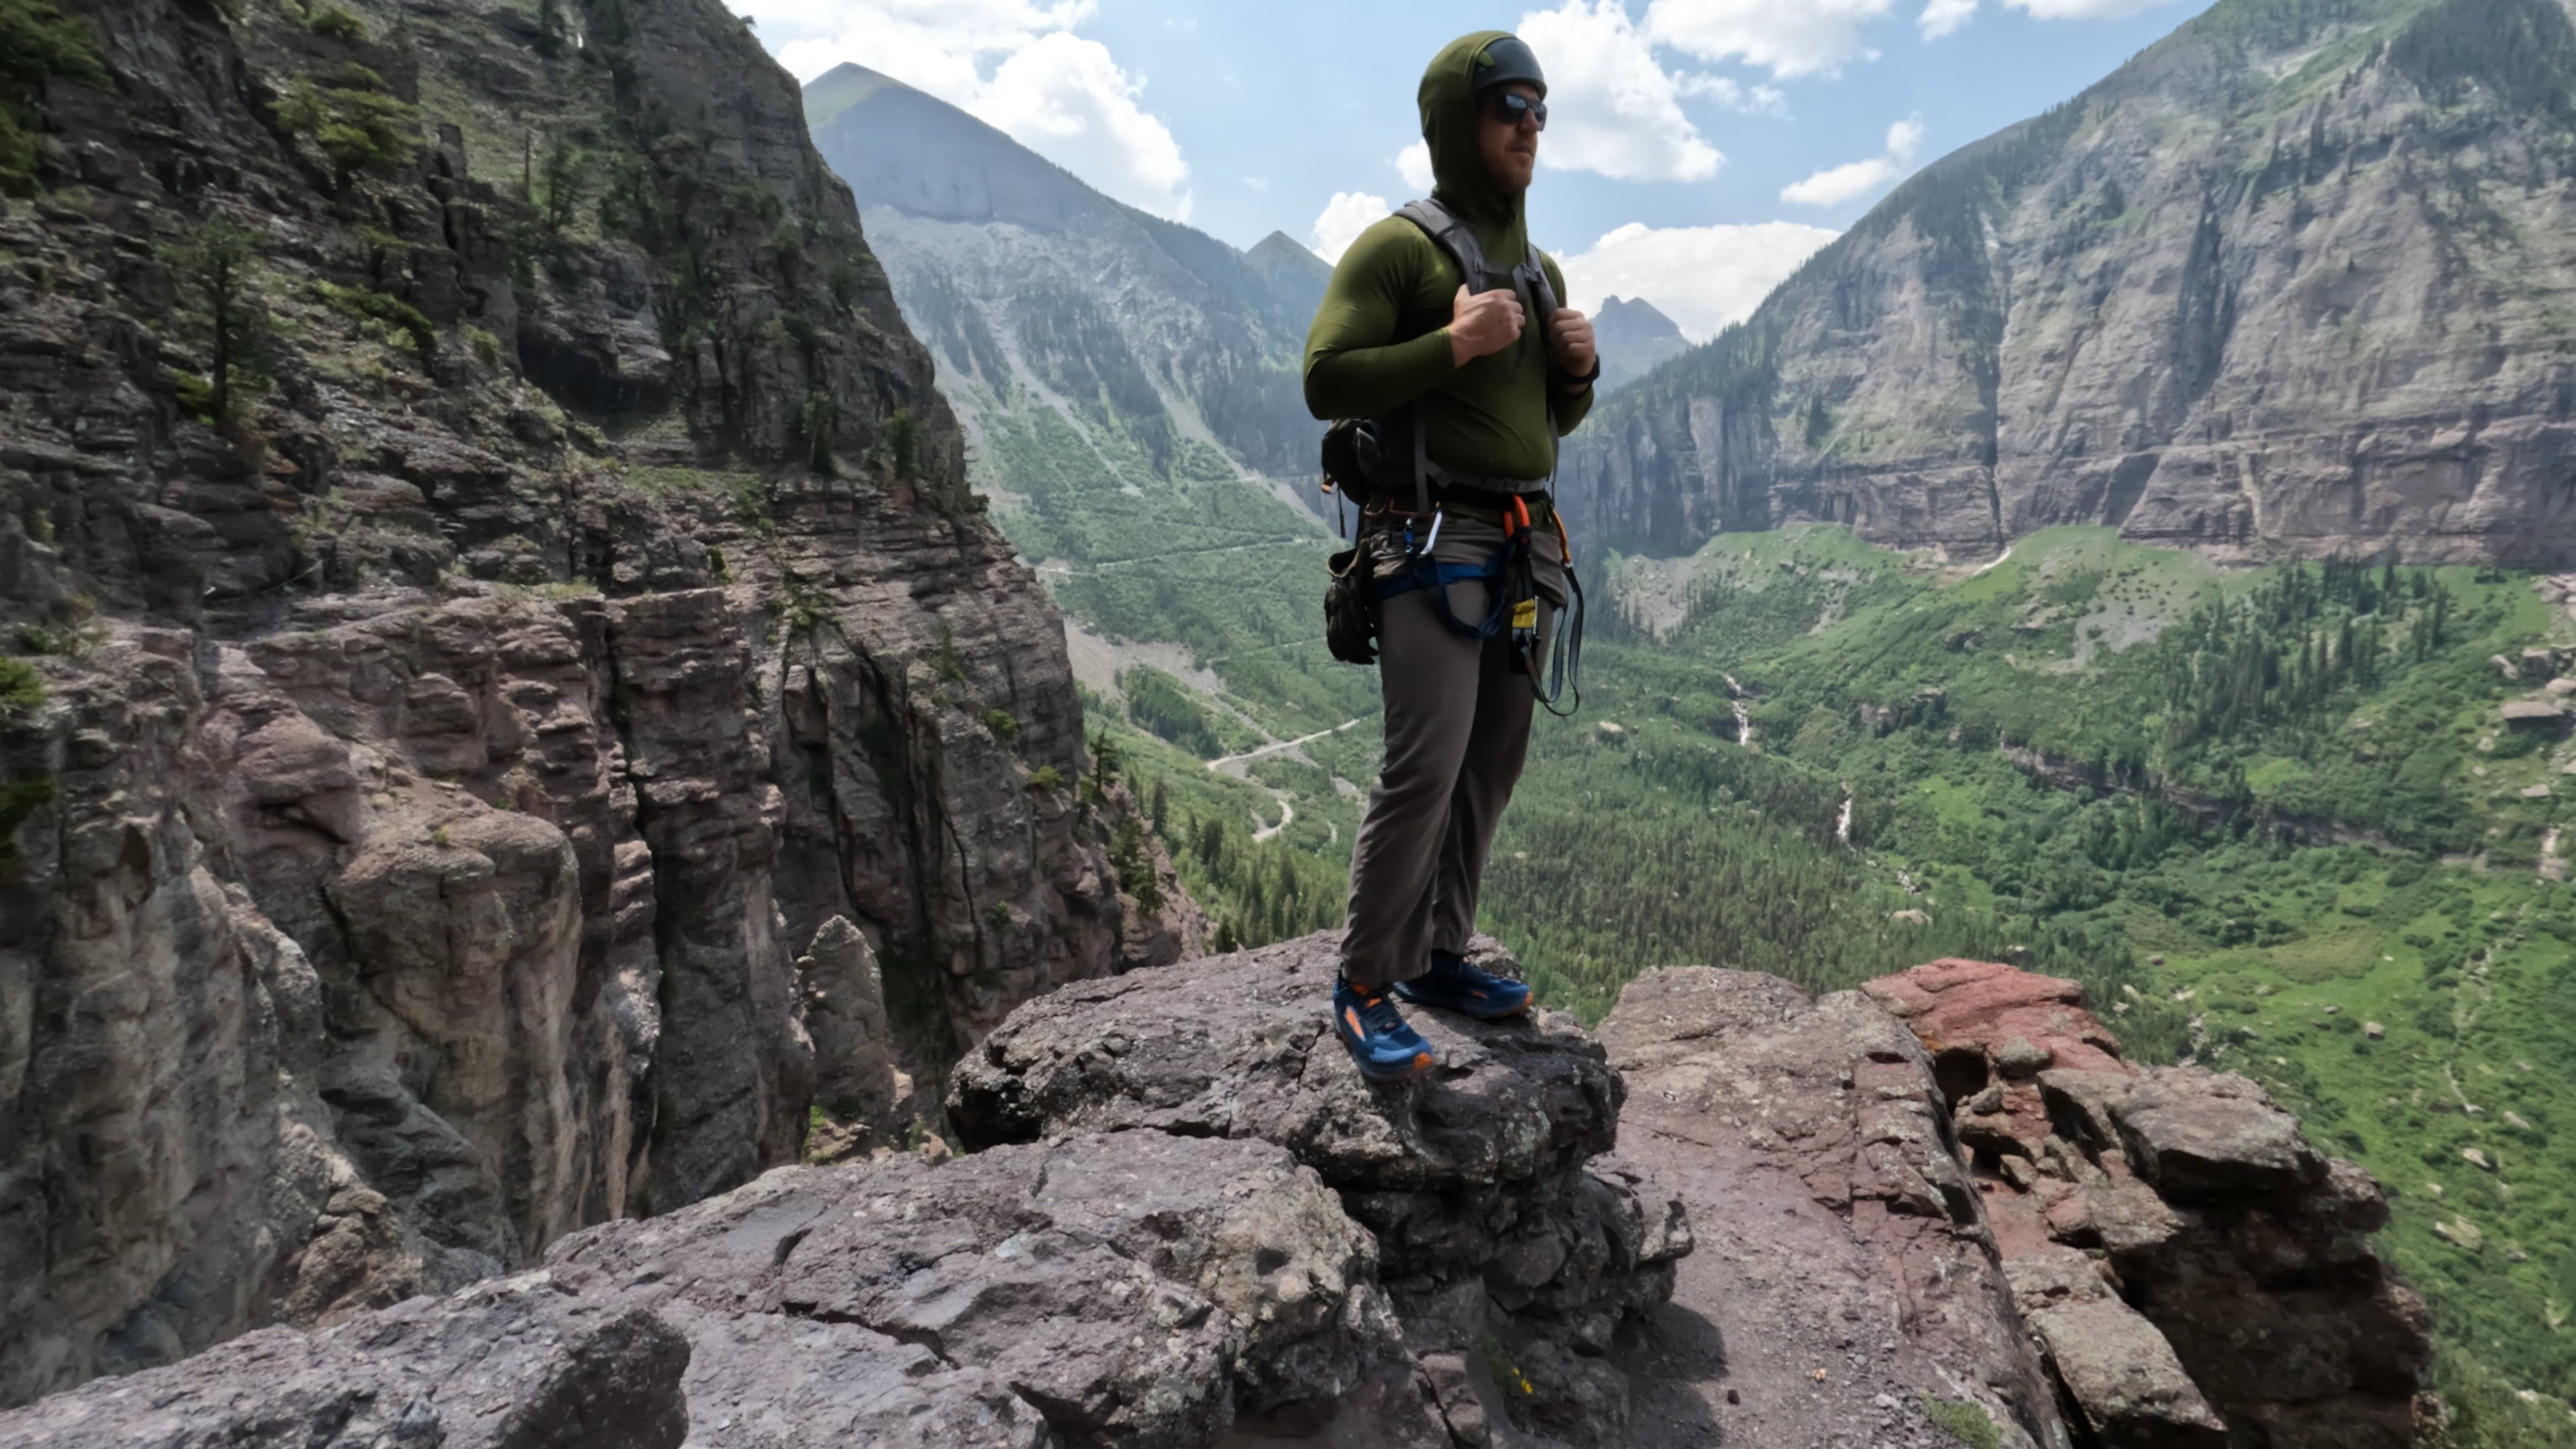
[1703, 277]
[1414, 164]
[2084, 9]
[1015, 64]
[1792, 37]
[1942, 17]
[1838, 184]
[1065, 98]
[1611, 107]
[1751, 100]
[1343, 219]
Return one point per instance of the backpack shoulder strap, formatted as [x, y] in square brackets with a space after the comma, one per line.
[1543, 303]
[1452, 236]
[1541, 290]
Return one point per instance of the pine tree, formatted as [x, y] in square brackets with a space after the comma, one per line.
[215, 268]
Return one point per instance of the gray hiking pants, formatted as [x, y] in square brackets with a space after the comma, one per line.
[1457, 728]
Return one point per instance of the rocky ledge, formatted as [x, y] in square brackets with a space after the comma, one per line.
[1509, 1239]
[1951, 1210]
[2193, 1271]
[1938, 1210]
[1181, 1226]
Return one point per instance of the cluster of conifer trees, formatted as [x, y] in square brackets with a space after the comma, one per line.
[2281, 657]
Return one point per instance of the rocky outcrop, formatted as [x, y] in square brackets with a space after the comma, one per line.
[1744, 1216]
[1500, 1217]
[1214, 1225]
[2194, 1272]
[1992, 1218]
[1846, 1285]
[426, 775]
[2284, 284]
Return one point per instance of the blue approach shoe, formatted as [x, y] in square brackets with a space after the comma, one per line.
[1374, 1031]
[1453, 985]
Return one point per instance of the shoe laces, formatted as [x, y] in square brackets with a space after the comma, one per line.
[1377, 1011]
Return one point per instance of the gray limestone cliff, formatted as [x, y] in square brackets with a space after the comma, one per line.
[509, 698]
[2294, 281]
[1062, 318]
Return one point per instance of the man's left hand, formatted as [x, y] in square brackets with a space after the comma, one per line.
[1569, 341]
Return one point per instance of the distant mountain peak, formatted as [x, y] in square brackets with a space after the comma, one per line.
[1640, 318]
[1635, 336]
[843, 86]
[1280, 249]
[1028, 281]
[1293, 271]
[905, 148]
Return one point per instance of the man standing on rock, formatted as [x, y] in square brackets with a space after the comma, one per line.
[1464, 381]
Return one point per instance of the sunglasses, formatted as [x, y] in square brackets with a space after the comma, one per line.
[1512, 108]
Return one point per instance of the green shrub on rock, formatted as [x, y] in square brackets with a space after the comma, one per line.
[355, 122]
[37, 44]
[336, 23]
[389, 320]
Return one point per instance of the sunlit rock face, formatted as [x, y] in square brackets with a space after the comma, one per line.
[2290, 283]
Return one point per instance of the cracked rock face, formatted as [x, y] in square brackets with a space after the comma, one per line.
[1133, 1289]
[1130, 1288]
[507, 1364]
[571, 719]
[2195, 1272]
[1169, 1279]
[1486, 1182]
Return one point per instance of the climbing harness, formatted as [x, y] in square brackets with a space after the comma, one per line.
[1512, 602]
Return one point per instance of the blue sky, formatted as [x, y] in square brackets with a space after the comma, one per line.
[1698, 150]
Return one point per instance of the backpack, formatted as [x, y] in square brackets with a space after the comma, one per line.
[1356, 468]
[1354, 462]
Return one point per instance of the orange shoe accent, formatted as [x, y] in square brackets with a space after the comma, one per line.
[1353, 1018]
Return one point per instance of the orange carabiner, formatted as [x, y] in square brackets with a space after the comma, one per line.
[1520, 512]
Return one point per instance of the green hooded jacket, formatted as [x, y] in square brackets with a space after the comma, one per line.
[1381, 338]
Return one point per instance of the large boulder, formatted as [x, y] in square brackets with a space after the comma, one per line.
[2119, 1373]
[1128, 1288]
[1497, 1213]
[1135, 1289]
[515, 1363]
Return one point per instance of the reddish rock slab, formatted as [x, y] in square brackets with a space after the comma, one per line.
[2247, 1291]
[1844, 1273]
[1987, 1007]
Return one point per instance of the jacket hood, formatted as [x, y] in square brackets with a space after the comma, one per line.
[1448, 102]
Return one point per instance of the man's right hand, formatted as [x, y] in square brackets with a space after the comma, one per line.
[1481, 323]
